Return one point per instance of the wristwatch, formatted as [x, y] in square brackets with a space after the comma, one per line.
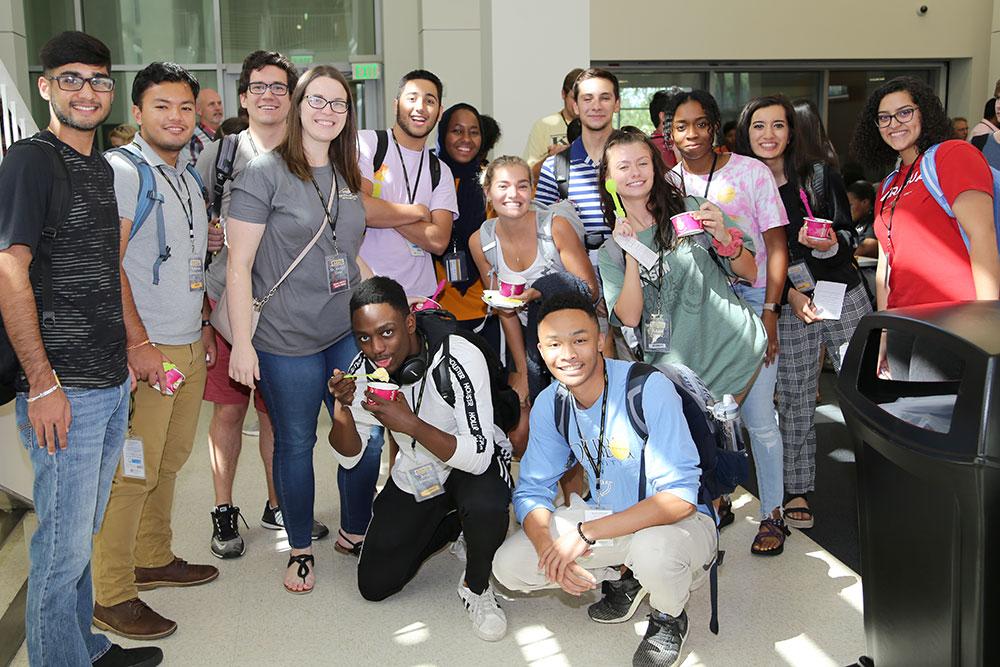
[773, 307]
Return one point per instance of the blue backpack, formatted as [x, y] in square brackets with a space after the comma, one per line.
[928, 172]
[149, 198]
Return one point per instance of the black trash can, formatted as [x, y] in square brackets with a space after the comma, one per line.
[928, 465]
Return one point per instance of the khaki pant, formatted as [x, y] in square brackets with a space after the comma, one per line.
[136, 530]
[669, 561]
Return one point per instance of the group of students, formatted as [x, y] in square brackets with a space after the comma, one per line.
[344, 248]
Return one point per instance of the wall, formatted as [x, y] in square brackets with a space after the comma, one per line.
[13, 46]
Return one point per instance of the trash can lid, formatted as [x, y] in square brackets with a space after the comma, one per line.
[976, 322]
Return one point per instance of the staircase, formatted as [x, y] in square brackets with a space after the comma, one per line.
[15, 114]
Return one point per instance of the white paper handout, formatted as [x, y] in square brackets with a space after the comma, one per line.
[635, 247]
[828, 298]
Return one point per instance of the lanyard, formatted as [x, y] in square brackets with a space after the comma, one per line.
[420, 396]
[598, 465]
[189, 208]
[411, 194]
[334, 196]
[892, 212]
[711, 172]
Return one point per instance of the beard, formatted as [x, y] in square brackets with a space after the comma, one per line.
[403, 121]
[64, 116]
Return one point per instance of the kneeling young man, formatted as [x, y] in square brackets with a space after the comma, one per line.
[660, 535]
[452, 472]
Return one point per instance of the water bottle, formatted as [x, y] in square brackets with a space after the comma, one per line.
[727, 413]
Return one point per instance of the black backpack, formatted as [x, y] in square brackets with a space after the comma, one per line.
[41, 265]
[382, 145]
[438, 326]
[561, 169]
[722, 469]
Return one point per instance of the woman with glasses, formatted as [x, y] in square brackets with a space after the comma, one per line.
[927, 253]
[304, 194]
[793, 145]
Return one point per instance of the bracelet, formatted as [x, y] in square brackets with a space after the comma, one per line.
[137, 345]
[206, 323]
[579, 529]
[50, 390]
[735, 244]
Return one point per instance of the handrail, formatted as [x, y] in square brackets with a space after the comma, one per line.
[15, 114]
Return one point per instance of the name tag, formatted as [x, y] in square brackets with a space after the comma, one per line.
[133, 459]
[425, 482]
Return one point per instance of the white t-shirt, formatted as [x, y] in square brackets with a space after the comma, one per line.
[470, 420]
[386, 251]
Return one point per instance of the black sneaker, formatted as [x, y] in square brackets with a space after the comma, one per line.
[144, 656]
[226, 540]
[664, 640]
[272, 520]
[621, 599]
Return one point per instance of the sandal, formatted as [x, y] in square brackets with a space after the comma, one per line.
[770, 527]
[305, 562]
[805, 520]
[725, 512]
[353, 550]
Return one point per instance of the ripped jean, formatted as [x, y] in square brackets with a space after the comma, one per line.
[761, 420]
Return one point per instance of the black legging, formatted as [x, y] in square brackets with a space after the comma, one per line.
[404, 533]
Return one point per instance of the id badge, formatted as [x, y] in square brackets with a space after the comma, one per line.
[196, 274]
[133, 459]
[456, 266]
[415, 250]
[656, 333]
[425, 482]
[801, 277]
[337, 278]
[593, 515]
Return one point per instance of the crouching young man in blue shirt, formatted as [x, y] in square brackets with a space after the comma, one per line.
[661, 543]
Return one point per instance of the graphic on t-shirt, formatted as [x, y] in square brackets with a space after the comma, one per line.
[377, 179]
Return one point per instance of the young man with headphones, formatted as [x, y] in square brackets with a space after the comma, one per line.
[452, 472]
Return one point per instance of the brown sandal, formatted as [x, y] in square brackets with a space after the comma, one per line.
[353, 550]
[770, 527]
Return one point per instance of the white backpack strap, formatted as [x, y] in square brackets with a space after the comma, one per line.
[546, 241]
[488, 242]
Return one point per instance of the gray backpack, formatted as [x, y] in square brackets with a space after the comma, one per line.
[546, 244]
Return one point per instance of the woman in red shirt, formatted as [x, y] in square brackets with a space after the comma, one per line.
[923, 257]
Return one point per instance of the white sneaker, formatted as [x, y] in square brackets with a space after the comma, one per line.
[488, 620]
[458, 548]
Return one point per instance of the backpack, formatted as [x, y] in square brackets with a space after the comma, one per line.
[546, 244]
[149, 198]
[438, 326]
[722, 469]
[564, 207]
[561, 168]
[41, 265]
[928, 172]
[382, 146]
[224, 160]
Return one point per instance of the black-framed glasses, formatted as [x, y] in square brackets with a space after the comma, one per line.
[72, 83]
[318, 102]
[904, 115]
[259, 88]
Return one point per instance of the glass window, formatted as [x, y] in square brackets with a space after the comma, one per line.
[184, 29]
[308, 31]
[733, 90]
[43, 19]
[638, 88]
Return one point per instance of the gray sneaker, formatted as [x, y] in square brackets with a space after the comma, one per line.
[226, 540]
[621, 599]
[663, 642]
[272, 520]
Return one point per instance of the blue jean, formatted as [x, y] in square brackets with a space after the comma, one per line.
[761, 420]
[357, 485]
[71, 491]
[294, 388]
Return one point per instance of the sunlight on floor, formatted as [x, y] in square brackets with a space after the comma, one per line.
[540, 647]
[851, 594]
[744, 498]
[801, 650]
[692, 660]
[412, 634]
[830, 412]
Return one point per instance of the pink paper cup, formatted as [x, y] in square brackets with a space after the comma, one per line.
[685, 225]
[512, 286]
[817, 229]
[386, 390]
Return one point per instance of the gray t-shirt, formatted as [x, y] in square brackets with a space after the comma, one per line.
[170, 310]
[246, 150]
[302, 317]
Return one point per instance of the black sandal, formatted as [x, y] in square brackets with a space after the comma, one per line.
[355, 548]
[725, 512]
[305, 561]
[770, 527]
[804, 523]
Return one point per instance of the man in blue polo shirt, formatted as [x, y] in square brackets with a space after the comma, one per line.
[596, 95]
[657, 539]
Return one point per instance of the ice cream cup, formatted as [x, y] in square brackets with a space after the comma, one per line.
[386, 390]
[512, 286]
[817, 229]
[686, 225]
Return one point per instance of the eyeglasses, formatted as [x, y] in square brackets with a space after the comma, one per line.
[259, 88]
[318, 102]
[72, 83]
[904, 115]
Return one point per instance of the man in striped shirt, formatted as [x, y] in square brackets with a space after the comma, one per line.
[597, 98]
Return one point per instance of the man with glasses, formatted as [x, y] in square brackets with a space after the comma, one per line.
[58, 216]
[266, 82]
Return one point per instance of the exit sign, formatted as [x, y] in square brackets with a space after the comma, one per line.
[363, 71]
[302, 58]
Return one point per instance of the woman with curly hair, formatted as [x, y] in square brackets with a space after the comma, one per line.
[927, 254]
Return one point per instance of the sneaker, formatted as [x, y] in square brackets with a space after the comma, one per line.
[272, 520]
[663, 642]
[488, 620]
[226, 540]
[621, 599]
[116, 656]
[133, 619]
[458, 548]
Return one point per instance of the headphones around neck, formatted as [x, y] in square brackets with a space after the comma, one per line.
[414, 366]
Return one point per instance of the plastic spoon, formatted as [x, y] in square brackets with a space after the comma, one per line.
[380, 374]
[612, 189]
